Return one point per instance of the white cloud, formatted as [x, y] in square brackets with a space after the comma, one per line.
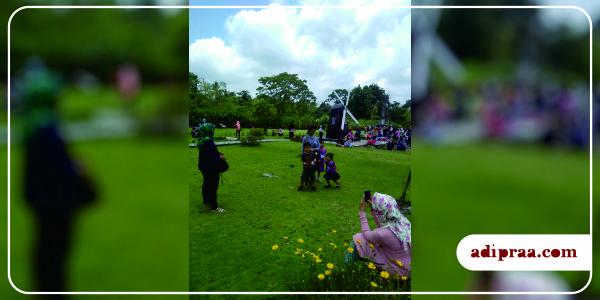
[329, 47]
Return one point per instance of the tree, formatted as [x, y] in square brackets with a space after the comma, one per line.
[263, 112]
[244, 99]
[288, 94]
[337, 96]
[324, 108]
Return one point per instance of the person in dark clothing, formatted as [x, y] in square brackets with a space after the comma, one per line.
[309, 161]
[208, 164]
[292, 128]
[56, 186]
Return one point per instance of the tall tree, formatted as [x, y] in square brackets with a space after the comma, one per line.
[337, 96]
[288, 94]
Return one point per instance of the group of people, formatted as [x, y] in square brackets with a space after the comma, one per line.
[385, 132]
[316, 159]
[387, 247]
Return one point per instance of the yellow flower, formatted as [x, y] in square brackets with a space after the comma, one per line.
[275, 247]
[330, 265]
[330, 243]
[303, 255]
[385, 274]
[299, 250]
[320, 249]
[346, 244]
[371, 245]
[300, 241]
[328, 272]
[333, 231]
[358, 241]
[350, 250]
[296, 252]
[318, 260]
[285, 237]
[399, 263]
[371, 265]
[321, 276]
[373, 284]
[403, 277]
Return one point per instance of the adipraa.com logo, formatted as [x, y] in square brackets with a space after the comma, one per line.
[501, 254]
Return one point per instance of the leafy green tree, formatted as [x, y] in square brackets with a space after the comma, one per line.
[288, 94]
[337, 96]
[244, 99]
[263, 112]
[324, 108]
[361, 102]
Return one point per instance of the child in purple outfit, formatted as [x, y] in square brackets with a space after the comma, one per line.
[331, 173]
[321, 160]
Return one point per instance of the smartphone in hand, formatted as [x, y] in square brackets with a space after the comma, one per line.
[367, 195]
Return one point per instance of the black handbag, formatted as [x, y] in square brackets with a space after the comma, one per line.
[223, 166]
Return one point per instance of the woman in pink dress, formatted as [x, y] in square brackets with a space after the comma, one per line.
[389, 245]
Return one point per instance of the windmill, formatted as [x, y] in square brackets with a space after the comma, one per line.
[338, 127]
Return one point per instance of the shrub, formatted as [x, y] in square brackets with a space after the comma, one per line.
[253, 138]
[257, 133]
[250, 141]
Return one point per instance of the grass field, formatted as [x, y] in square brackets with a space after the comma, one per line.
[135, 238]
[233, 251]
[493, 189]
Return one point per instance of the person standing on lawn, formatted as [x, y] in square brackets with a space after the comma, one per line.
[388, 246]
[208, 164]
[238, 129]
[320, 132]
[292, 128]
[309, 161]
[311, 139]
[321, 160]
[56, 186]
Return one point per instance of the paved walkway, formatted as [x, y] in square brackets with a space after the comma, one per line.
[234, 141]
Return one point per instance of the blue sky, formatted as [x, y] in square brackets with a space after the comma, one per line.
[330, 48]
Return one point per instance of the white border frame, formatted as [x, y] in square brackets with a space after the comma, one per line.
[295, 293]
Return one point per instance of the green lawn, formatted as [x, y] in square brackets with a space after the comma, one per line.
[135, 238]
[492, 189]
[233, 251]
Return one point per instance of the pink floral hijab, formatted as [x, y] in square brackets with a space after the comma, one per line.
[389, 216]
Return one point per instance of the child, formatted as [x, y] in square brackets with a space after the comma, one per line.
[321, 163]
[332, 173]
[309, 160]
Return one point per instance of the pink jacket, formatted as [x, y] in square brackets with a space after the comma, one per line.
[387, 247]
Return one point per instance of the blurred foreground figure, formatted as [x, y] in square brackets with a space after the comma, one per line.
[55, 185]
[521, 281]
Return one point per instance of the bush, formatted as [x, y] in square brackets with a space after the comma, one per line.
[257, 133]
[253, 138]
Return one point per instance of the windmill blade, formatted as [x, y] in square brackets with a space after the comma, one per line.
[344, 117]
[353, 118]
[347, 99]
